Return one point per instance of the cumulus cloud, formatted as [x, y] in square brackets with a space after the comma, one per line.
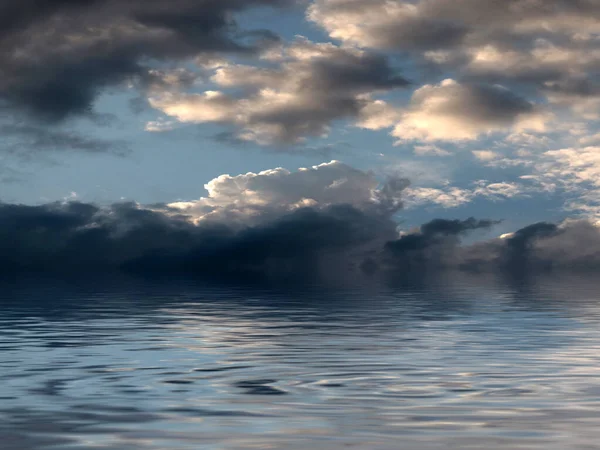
[255, 198]
[423, 24]
[273, 222]
[384, 24]
[458, 111]
[57, 56]
[347, 232]
[551, 45]
[310, 86]
[485, 155]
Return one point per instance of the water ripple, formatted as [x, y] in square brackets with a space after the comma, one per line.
[142, 365]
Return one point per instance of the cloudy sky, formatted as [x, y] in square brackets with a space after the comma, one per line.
[208, 108]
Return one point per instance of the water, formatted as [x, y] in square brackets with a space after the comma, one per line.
[451, 364]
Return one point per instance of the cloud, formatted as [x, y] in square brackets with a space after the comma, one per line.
[22, 140]
[457, 111]
[452, 196]
[571, 173]
[308, 88]
[159, 126]
[546, 51]
[485, 155]
[574, 171]
[384, 24]
[255, 198]
[347, 232]
[377, 115]
[198, 65]
[423, 150]
[573, 245]
[437, 24]
[57, 56]
[435, 244]
[449, 197]
[547, 44]
[273, 223]
[77, 236]
[590, 140]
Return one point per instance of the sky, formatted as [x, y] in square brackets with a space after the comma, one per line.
[244, 112]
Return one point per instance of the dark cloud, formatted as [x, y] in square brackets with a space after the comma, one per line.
[339, 240]
[57, 56]
[435, 245]
[573, 246]
[15, 16]
[78, 236]
[438, 24]
[23, 140]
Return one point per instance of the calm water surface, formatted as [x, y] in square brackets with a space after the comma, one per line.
[461, 364]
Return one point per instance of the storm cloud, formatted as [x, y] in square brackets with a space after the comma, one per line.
[333, 235]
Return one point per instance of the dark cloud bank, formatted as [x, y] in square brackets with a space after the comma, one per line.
[308, 243]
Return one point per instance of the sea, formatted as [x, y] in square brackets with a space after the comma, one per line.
[447, 362]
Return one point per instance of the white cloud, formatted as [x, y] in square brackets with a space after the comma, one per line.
[573, 173]
[455, 111]
[452, 196]
[253, 198]
[528, 140]
[551, 46]
[499, 191]
[378, 114]
[159, 126]
[573, 166]
[300, 96]
[485, 155]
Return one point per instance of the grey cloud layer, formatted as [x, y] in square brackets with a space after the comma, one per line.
[56, 56]
[458, 111]
[24, 140]
[275, 223]
[333, 235]
[299, 94]
[551, 44]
